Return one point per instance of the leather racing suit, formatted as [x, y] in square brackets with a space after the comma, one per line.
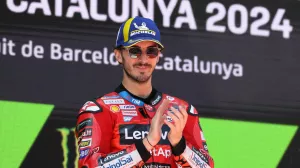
[110, 130]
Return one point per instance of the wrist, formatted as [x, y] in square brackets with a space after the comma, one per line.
[179, 148]
[148, 144]
[174, 141]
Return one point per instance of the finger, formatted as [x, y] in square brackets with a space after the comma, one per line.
[163, 107]
[180, 116]
[177, 113]
[171, 125]
[175, 120]
[183, 112]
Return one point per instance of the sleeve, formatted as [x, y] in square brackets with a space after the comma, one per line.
[192, 151]
[94, 132]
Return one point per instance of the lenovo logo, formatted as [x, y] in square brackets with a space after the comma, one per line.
[131, 132]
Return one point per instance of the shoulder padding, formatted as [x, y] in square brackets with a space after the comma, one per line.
[90, 107]
[192, 111]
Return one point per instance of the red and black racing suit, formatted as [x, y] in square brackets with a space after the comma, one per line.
[110, 130]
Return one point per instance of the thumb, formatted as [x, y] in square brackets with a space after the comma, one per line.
[163, 107]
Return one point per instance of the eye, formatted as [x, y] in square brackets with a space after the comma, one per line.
[135, 50]
[153, 51]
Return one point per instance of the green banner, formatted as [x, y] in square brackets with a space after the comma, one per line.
[20, 124]
[240, 144]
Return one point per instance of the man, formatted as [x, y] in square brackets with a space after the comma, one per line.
[136, 125]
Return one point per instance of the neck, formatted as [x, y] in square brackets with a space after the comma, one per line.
[138, 89]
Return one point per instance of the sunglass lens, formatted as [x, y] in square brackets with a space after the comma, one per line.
[152, 51]
[135, 52]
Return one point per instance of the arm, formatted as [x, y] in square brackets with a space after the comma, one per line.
[94, 132]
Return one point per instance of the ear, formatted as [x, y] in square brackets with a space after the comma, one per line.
[118, 56]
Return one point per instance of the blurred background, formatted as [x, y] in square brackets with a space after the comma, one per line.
[236, 61]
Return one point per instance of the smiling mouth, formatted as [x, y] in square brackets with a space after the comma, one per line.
[142, 67]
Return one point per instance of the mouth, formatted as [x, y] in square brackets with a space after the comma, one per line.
[142, 67]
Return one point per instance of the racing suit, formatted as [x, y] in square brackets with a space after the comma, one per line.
[110, 130]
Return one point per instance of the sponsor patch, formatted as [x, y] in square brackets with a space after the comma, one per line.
[127, 107]
[129, 112]
[124, 161]
[205, 146]
[149, 108]
[127, 118]
[113, 156]
[84, 123]
[170, 98]
[114, 101]
[85, 143]
[83, 153]
[156, 100]
[111, 97]
[114, 108]
[95, 150]
[85, 133]
[200, 155]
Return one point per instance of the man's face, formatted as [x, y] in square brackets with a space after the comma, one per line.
[140, 68]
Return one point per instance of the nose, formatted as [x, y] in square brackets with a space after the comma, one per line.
[144, 57]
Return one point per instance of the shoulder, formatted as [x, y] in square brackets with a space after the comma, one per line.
[189, 107]
[99, 103]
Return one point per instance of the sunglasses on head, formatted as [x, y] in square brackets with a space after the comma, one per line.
[135, 52]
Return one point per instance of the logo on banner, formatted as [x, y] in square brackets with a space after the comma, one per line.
[181, 12]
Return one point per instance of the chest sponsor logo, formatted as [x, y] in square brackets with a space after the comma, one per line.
[85, 143]
[161, 152]
[129, 112]
[156, 165]
[131, 132]
[127, 118]
[111, 97]
[84, 123]
[114, 108]
[127, 107]
[149, 108]
[114, 101]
